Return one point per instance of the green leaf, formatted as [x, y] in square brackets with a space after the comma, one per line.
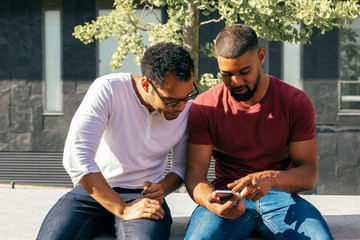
[271, 19]
[205, 13]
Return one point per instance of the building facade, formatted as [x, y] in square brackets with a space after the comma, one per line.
[45, 72]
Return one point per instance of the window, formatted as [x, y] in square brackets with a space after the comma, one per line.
[53, 102]
[292, 63]
[107, 47]
[350, 67]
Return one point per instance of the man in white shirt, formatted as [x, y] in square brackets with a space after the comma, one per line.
[116, 151]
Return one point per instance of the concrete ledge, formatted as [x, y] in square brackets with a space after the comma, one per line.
[23, 210]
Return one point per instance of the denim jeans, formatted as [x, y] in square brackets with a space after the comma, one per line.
[278, 215]
[78, 216]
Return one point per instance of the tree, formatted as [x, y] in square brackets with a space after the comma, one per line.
[275, 20]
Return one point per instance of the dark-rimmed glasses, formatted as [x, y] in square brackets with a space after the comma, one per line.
[192, 95]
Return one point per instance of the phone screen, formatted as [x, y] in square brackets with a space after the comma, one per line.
[225, 195]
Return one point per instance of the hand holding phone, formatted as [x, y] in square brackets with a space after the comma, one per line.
[225, 195]
[232, 205]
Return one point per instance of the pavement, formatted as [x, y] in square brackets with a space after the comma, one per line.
[22, 211]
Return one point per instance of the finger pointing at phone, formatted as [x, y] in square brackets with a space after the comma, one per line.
[254, 186]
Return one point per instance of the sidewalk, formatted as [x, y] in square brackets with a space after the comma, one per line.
[22, 212]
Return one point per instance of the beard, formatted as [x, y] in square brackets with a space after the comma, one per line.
[170, 115]
[248, 93]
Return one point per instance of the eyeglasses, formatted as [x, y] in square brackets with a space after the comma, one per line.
[192, 95]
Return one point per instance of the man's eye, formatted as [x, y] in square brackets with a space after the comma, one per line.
[226, 74]
[244, 73]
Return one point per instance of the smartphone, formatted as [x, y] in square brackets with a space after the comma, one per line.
[224, 195]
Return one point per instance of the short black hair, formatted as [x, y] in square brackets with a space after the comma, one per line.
[235, 40]
[163, 58]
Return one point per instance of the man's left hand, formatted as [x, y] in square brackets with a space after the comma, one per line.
[254, 186]
[153, 191]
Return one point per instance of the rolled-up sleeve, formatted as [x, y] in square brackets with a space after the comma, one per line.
[86, 130]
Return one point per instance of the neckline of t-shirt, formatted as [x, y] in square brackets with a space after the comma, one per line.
[255, 108]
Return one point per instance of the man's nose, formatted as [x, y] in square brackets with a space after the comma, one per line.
[236, 80]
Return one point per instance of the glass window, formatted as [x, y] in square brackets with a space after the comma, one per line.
[292, 63]
[350, 66]
[52, 61]
[109, 46]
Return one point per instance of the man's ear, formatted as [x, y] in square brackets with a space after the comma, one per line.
[261, 55]
[145, 84]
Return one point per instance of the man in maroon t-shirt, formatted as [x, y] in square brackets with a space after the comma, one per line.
[261, 132]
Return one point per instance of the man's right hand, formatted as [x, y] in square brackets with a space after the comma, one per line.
[143, 208]
[96, 185]
[199, 188]
[231, 209]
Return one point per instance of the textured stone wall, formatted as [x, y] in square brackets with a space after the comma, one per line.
[338, 139]
[17, 121]
[339, 160]
[23, 124]
[338, 134]
[24, 127]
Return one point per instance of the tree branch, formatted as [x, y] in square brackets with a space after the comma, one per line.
[151, 8]
[211, 20]
[132, 22]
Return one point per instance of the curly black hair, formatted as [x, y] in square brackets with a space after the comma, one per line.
[163, 58]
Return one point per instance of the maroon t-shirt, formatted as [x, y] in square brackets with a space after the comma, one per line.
[251, 139]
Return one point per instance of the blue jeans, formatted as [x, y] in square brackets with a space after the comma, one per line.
[278, 215]
[78, 216]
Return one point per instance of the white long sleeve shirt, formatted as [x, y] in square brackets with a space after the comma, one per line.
[112, 132]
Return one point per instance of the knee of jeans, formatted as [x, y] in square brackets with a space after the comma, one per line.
[143, 228]
[203, 224]
[307, 233]
[315, 229]
[301, 221]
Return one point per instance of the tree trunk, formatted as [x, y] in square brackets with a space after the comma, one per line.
[191, 38]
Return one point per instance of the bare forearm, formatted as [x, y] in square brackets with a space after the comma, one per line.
[96, 185]
[303, 178]
[256, 185]
[198, 187]
[201, 193]
[171, 182]
[197, 165]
